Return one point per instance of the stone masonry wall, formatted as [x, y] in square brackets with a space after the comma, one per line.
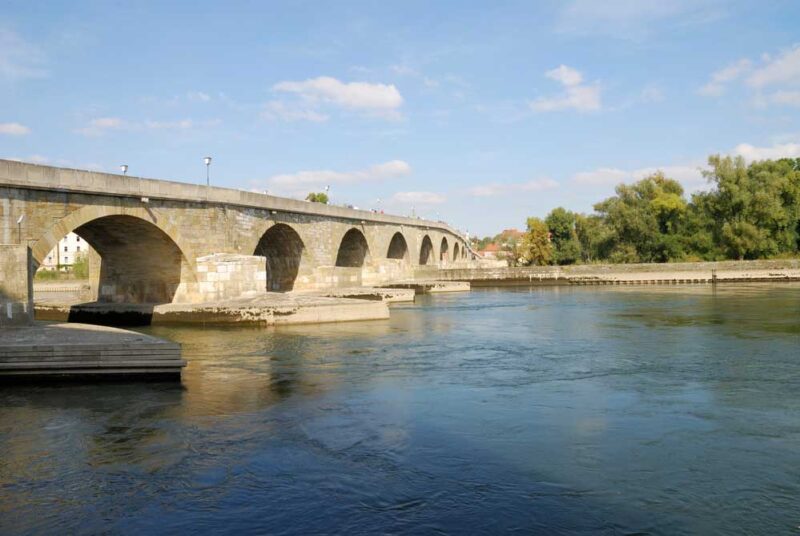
[16, 285]
[226, 276]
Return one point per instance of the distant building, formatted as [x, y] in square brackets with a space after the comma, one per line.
[63, 256]
[491, 251]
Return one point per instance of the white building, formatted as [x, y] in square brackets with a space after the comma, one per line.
[64, 254]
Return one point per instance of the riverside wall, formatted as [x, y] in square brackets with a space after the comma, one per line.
[589, 274]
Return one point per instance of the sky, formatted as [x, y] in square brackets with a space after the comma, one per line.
[480, 114]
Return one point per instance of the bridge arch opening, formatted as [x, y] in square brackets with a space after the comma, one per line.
[426, 250]
[112, 259]
[398, 248]
[444, 250]
[456, 252]
[282, 249]
[353, 250]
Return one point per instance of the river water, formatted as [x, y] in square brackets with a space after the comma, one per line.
[663, 410]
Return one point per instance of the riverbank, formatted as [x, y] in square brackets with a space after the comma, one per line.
[628, 274]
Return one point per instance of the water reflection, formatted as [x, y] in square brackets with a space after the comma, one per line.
[620, 409]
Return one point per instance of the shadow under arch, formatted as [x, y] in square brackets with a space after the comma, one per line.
[353, 249]
[456, 252]
[398, 247]
[444, 249]
[283, 250]
[426, 250]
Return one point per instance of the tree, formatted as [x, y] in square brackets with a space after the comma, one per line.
[317, 197]
[562, 226]
[80, 268]
[645, 218]
[535, 247]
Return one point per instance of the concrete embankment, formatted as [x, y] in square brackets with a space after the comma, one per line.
[627, 274]
[266, 309]
[44, 350]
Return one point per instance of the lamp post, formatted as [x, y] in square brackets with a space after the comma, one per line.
[124, 169]
[327, 193]
[207, 162]
[19, 228]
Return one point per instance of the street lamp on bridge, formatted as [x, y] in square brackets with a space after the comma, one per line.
[207, 162]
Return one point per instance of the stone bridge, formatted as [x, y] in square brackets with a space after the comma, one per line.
[162, 242]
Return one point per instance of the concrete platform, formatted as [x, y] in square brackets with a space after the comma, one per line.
[430, 287]
[79, 350]
[271, 308]
[388, 295]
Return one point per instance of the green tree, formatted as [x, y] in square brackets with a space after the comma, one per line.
[562, 226]
[535, 247]
[80, 268]
[317, 197]
[753, 211]
[645, 218]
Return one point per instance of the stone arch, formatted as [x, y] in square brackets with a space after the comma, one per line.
[444, 250]
[398, 247]
[353, 249]
[426, 250]
[456, 252]
[282, 248]
[140, 261]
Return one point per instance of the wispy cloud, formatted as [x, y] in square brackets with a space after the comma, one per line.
[719, 79]
[632, 19]
[497, 188]
[419, 198]
[103, 125]
[576, 95]
[18, 58]
[14, 129]
[387, 170]
[689, 175]
[377, 100]
[779, 150]
[279, 110]
[773, 80]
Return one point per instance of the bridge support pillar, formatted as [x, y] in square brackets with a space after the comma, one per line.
[16, 285]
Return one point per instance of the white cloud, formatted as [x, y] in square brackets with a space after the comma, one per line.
[773, 81]
[716, 85]
[688, 175]
[496, 188]
[419, 198]
[383, 100]
[576, 95]
[101, 125]
[601, 176]
[387, 170]
[566, 75]
[14, 129]
[279, 110]
[198, 96]
[781, 150]
[782, 70]
[18, 58]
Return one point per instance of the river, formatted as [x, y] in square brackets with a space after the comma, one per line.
[616, 410]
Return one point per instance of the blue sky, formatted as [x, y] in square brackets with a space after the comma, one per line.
[480, 113]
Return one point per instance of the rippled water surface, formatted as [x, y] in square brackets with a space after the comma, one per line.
[556, 410]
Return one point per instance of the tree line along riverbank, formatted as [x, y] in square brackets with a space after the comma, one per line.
[751, 211]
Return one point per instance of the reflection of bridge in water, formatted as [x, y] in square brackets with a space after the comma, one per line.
[159, 242]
